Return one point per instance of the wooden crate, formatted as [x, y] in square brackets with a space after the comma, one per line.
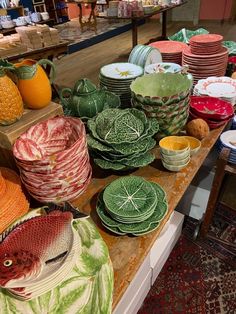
[8, 134]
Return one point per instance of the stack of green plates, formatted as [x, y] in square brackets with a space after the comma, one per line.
[121, 139]
[132, 205]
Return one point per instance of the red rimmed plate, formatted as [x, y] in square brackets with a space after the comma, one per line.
[169, 46]
[206, 38]
[211, 107]
[187, 52]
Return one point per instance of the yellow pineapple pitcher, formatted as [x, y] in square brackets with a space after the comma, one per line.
[11, 104]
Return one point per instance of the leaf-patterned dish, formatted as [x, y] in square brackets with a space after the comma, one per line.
[77, 293]
[121, 139]
[158, 214]
[129, 197]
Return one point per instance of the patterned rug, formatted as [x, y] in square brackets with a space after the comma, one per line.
[199, 277]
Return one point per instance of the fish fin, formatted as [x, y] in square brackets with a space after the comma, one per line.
[30, 215]
[66, 207]
[56, 258]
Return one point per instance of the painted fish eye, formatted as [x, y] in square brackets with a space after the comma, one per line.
[7, 262]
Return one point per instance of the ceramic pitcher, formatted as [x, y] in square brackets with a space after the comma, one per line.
[33, 82]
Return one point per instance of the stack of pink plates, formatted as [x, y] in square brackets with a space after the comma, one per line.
[214, 111]
[171, 50]
[53, 159]
[205, 56]
[206, 44]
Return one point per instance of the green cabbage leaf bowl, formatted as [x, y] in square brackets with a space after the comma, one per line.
[158, 89]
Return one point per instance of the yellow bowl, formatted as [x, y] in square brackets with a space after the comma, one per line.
[174, 145]
[194, 143]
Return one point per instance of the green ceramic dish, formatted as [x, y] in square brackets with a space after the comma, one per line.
[130, 197]
[159, 88]
[185, 34]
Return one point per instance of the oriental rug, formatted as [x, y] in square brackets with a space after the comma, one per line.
[199, 276]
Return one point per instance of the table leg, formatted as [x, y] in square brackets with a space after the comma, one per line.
[164, 24]
[215, 191]
[134, 32]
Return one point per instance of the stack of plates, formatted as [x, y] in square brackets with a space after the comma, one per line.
[117, 77]
[171, 51]
[120, 139]
[53, 159]
[206, 57]
[205, 44]
[132, 205]
[220, 87]
[214, 111]
[228, 140]
[144, 55]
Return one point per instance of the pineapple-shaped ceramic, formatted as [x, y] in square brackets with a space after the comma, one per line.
[11, 104]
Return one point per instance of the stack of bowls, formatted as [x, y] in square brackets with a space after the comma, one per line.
[144, 55]
[164, 96]
[216, 112]
[117, 77]
[53, 159]
[175, 152]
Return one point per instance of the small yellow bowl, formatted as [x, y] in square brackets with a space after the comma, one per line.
[194, 143]
[173, 145]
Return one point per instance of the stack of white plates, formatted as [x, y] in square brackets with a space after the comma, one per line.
[228, 140]
[117, 77]
[220, 87]
[144, 55]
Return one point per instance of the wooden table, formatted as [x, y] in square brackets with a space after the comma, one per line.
[135, 20]
[92, 22]
[128, 253]
[49, 52]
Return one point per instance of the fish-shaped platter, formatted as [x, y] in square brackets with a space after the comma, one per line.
[80, 260]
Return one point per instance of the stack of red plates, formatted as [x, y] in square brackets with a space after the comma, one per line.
[171, 50]
[214, 111]
[206, 44]
[205, 56]
[53, 159]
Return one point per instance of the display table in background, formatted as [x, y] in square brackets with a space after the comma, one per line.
[135, 20]
[132, 255]
[49, 52]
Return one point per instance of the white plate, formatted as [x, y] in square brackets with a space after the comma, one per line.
[217, 87]
[121, 71]
[228, 137]
[163, 67]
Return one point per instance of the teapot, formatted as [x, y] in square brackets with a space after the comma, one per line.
[85, 101]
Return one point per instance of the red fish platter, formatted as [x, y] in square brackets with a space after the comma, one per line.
[53, 159]
[31, 268]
